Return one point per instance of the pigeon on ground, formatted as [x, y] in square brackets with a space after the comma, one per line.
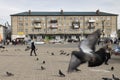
[27, 48]
[52, 53]
[115, 78]
[9, 74]
[87, 52]
[61, 74]
[43, 62]
[112, 68]
[67, 54]
[61, 53]
[42, 68]
[37, 59]
[106, 78]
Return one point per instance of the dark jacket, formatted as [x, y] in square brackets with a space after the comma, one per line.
[32, 45]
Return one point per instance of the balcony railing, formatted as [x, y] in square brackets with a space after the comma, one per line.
[75, 25]
[53, 26]
[37, 27]
[92, 21]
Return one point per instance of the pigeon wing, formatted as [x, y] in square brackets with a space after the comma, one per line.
[85, 47]
[74, 63]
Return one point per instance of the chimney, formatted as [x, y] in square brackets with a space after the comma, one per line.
[98, 12]
[29, 12]
[61, 12]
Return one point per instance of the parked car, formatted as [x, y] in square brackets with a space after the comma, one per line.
[36, 42]
[72, 40]
[56, 41]
[116, 50]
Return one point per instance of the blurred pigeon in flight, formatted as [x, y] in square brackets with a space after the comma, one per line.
[87, 52]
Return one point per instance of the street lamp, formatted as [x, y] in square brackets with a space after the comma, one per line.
[103, 22]
[103, 27]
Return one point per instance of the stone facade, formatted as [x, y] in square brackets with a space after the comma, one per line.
[61, 26]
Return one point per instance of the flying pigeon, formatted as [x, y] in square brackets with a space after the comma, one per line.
[87, 52]
[61, 74]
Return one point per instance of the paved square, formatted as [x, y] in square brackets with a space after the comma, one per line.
[25, 67]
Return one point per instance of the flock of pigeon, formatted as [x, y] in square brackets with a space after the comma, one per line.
[87, 53]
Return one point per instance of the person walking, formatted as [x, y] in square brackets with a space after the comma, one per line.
[33, 48]
[108, 52]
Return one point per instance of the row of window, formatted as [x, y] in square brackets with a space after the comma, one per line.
[61, 24]
[39, 30]
[64, 18]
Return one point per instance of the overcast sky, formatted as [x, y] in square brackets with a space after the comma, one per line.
[8, 7]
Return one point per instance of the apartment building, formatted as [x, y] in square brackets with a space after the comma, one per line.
[61, 25]
[3, 34]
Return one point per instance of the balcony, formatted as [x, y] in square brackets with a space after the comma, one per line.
[37, 27]
[75, 25]
[53, 26]
[36, 24]
[91, 21]
[91, 27]
[53, 21]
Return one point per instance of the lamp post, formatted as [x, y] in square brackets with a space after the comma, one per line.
[103, 27]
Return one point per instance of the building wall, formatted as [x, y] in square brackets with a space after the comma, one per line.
[2, 33]
[23, 25]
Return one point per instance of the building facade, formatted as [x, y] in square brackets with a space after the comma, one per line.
[61, 25]
[3, 34]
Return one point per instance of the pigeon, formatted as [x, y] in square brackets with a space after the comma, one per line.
[28, 48]
[106, 78]
[87, 52]
[43, 62]
[67, 54]
[112, 68]
[52, 53]
[9, 74]
[42, 68]
[61, 74]
[64, 53]
[61, 53]
[37, 59]
[115, 78]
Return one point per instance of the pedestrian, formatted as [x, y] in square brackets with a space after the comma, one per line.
[108, 53]
[33, 49]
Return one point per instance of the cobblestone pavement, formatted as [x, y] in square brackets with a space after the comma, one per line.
[16, 60]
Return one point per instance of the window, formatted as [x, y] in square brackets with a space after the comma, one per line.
[20, 18]
[20, 24]
[26, 24]
[108, 18]
[26, 30]
[26, 18]
[81, 18]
